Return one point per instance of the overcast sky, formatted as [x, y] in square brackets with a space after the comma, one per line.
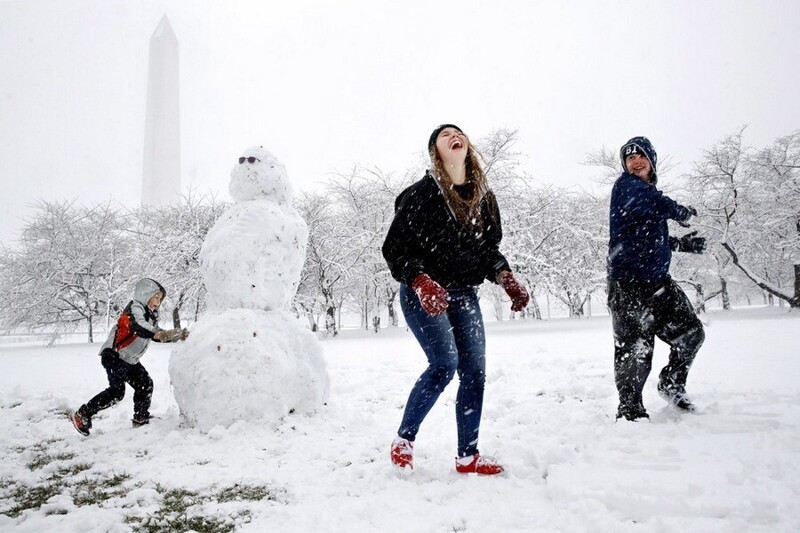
[325, 85]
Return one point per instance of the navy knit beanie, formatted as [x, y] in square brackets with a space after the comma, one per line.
[640, 145]
[437, 131]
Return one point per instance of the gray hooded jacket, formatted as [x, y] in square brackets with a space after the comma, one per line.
[138, 322]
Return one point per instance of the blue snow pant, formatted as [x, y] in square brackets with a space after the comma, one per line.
[641, 311]
[453, 342]
[119, 372]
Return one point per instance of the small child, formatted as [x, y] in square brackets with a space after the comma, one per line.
[120, 354]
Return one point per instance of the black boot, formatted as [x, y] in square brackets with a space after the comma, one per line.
[676, 395]
[632, 411]
[81, 421]
[140, 420]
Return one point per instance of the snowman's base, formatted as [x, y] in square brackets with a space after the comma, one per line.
[250, 365]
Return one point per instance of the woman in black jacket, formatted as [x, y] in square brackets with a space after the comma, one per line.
[442, 244]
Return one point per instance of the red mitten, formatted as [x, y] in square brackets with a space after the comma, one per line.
[432, 296]
[515, 290]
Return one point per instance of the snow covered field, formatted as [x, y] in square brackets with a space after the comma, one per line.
[549, 417]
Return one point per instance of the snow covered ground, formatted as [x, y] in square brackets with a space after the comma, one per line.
[549, 417]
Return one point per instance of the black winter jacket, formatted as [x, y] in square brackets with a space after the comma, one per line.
[426, 238]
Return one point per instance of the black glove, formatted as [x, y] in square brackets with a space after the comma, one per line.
[685, 221]
[690, 243]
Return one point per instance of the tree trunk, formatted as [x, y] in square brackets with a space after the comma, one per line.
[330, 321]
[575, 308]
[726, 298]
[91, 333]
[312, 323]
[700, 299]
[364, 317]
[392, 313]
[797, 282]
[537, 312]
[176, 311]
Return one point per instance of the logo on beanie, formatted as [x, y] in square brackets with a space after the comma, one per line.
[631, 149]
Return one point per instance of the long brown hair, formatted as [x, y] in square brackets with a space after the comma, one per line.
[467, 209]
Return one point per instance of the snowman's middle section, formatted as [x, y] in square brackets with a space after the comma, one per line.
[253, 256]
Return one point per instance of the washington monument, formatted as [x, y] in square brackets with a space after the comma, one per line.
[161, 176]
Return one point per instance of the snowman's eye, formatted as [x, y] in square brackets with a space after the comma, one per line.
[250, 159]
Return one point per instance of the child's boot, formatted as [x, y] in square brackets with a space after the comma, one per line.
[140, 420]
[81, 421]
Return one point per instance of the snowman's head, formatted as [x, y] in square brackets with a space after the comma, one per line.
[258, 174]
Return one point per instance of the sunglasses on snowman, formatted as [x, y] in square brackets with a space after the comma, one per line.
[250, 159]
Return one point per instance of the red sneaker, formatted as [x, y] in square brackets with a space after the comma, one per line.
[475, 464]
[402, 452]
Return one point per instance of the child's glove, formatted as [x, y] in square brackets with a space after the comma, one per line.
[173, 335]
[515, 290]
[432, 296]
[691, 244]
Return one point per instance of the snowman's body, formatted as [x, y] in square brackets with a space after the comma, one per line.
[249, 358]
[253, 256]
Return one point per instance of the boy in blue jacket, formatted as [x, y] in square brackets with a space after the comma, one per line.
[643, 299]
[127, 341]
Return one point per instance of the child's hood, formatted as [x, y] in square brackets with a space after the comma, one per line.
[146, 288]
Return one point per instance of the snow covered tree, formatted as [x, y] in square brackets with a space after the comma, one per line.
[749, 200]
[526, 229]
[332, 254]
[574, 258]
[366, 201]
[69, 269]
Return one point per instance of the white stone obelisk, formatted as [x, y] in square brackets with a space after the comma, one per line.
[161, 176]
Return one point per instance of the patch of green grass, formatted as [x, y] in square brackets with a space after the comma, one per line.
[97, 490]
[180, 509]
[250, 493]
[64, 471]
[181, 524]
[175, 516]
[42, 459]
[18, 497]
[32, 497]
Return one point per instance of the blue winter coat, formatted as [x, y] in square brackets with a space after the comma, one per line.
[639, 244]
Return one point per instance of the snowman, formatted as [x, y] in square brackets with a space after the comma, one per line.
[249, 358]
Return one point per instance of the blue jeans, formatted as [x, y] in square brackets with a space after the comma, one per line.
[453, 342]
